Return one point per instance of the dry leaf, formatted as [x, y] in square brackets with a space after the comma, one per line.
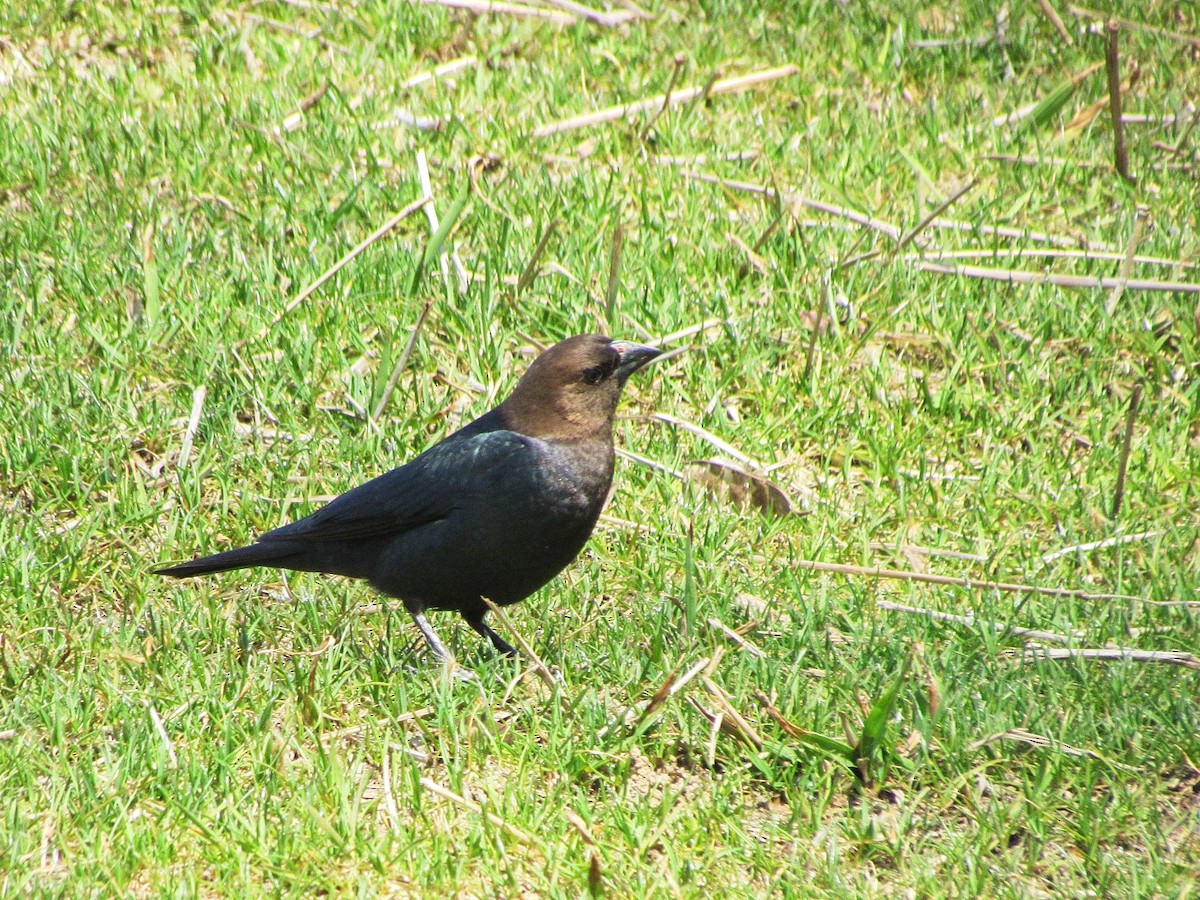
[746, 489]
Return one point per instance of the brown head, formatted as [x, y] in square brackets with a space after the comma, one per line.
[571, 390]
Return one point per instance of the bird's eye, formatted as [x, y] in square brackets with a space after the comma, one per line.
[593, 375]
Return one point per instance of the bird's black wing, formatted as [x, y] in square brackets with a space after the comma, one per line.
[423, 491]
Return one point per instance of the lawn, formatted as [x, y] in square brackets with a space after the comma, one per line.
[897, 592]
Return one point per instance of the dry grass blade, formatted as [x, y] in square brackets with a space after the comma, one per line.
[721, 628]
[502, 8]
[189, 435]
[446, 794]
[708, 436]
[971, 621]
[444, 259]
[1135, 402]
[905, 549]
[161, 731]
[608, 19]
[447, 68]
[543, 672]
[1017, 276]
[580, 826]
[347, 259]
[1037, 740]
[649, 463]
[911, 235]
[405, 355]
[1043, 252]
[682, 333]
[791, 730]
[732, 721]
[1100, 545]
[1052, 14]
[621, 111]
[796, 199]
[970, 583]
[668, 689]
[614, 272]
[1021, 234]
[527, 274]
[1111, 654]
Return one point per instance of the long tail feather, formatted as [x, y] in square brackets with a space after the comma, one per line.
[265, 554]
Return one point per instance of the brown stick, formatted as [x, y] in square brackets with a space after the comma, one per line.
[1135, 400]
[1112, 63]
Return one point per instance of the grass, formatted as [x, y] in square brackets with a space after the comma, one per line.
[249, 735]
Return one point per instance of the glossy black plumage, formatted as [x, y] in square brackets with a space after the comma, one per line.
[495, 510]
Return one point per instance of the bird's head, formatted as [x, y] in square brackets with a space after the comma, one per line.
[571, 390]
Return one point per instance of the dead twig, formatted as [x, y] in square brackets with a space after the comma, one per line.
[1021, 234]
[1019, 252]
[912, 233]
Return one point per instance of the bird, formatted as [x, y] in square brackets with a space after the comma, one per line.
[495, 510]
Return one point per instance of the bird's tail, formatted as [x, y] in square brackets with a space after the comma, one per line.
[271, 553]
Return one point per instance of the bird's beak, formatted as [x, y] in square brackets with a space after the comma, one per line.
[633, 357]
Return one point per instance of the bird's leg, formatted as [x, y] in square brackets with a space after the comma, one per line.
[476, 621]
[435, 643]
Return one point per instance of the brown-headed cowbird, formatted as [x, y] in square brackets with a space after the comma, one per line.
[495, 510]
